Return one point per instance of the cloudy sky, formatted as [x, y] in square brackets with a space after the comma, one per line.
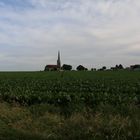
[93, 33]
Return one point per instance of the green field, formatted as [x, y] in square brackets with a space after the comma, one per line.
[70, 105]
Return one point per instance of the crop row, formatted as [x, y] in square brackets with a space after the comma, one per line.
[66, 92]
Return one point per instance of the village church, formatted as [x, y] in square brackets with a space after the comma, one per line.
[56, 67]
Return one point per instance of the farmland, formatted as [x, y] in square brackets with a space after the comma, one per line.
[70, 105]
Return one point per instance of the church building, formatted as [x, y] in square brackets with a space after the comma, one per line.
[56, 67]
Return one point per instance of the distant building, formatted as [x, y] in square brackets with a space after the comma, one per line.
[135, 67]
[57, 67]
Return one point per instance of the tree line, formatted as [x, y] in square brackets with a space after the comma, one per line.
[117, 67]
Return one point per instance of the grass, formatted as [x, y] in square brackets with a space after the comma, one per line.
[74, 105]
[44, 121]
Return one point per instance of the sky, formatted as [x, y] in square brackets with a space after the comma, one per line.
[93, 33]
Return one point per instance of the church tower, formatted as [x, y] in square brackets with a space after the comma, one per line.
[58, 60]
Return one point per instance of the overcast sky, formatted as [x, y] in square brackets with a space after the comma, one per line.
[93, 33]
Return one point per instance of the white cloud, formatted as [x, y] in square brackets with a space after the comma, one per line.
[91, 32]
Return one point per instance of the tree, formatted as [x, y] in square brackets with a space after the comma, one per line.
[104, 68]
[81, 68]
[93, 69]
[120, 66]
[117, 67]
[66, 67]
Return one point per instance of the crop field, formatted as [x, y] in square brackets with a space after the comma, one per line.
[70, 105]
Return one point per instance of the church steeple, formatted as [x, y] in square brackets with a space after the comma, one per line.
[58, 60]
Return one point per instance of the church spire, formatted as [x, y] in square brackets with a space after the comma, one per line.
[58, 60]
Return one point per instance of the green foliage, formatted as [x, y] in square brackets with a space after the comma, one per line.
[74, 88]
[78, 105]
[43, 121]
[66, 67]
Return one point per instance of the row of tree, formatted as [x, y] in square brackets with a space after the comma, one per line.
[82, 68]
[69, 67]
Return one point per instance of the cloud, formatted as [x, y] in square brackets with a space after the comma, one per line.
[91, 32]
